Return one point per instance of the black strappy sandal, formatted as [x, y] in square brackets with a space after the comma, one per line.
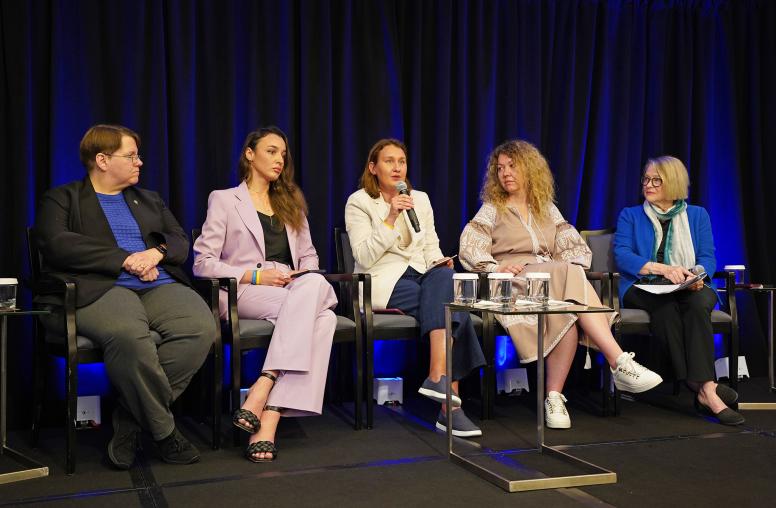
[254, 424]
[263, 446]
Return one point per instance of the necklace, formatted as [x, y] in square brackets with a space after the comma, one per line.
[542, 254]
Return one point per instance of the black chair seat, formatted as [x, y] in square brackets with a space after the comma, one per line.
[636, 321]
[251, 328]
[258, 330]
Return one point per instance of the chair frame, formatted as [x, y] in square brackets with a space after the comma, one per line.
[731, 329]
[374, 332]
[74, 356]
[348, 302]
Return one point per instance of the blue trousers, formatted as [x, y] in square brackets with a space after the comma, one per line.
[423, 297]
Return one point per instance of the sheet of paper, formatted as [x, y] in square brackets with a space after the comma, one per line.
[656, 289]
[663, 289]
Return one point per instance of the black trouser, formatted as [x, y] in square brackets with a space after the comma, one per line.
[681, 322]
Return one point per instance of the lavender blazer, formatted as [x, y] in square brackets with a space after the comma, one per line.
[232, 240]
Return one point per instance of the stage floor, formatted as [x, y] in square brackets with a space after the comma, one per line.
[663, 453]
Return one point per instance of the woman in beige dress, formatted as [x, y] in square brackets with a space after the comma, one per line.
[520, 230]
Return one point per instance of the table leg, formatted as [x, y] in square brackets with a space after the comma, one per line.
[770, 341]
[3, 378]
[770, 406]
[449, 378]
[540, 382]
[35, 470]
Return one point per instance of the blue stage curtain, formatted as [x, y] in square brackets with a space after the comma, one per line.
[598, 86]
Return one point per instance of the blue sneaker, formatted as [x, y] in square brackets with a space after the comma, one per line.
[462, 426]
[436, 391]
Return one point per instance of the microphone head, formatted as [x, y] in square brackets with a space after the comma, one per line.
[401, 187]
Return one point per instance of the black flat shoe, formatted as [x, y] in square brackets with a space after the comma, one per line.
[726, 417]
[728, 395]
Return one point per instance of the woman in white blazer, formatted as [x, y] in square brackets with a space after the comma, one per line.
[387, 246]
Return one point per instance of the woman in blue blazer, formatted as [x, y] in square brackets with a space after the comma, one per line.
[666, 237]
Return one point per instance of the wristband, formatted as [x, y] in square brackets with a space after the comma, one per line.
[390, 226]
[161, 248]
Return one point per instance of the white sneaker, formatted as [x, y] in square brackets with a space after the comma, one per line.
[555, 414]
[630, 376]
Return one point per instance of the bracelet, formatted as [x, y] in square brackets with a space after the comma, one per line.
[390, 226]
[258, 277]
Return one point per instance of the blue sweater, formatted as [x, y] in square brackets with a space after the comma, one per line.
[128, 237]
[634, 243]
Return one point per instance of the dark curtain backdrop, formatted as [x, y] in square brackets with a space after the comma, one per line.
[598, 86]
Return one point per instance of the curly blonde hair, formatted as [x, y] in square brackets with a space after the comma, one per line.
[540, 185]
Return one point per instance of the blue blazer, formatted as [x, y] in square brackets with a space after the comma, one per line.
[634, 242]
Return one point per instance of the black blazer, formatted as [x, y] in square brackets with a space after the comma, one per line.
[77, 243]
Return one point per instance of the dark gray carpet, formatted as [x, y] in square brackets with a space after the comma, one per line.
[663, 453]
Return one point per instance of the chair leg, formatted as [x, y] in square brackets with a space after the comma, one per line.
[71, 382]
[38, 391]
[236, 383]
[489, 384]
[217, 384]
[370, 376]
[606, 390]
[359, 395]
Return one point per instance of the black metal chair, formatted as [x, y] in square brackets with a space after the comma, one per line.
[636, 321]
[77, 349]
[248, 334]
[389, 326]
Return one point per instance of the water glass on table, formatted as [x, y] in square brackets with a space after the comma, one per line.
[500, 286]
[8, 294]
[538, 287]
[465, 288]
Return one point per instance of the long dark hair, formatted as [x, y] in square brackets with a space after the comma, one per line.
[285, 196]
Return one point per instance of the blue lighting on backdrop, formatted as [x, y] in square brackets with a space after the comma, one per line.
[606, 155]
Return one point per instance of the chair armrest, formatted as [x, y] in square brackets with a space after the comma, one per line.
[342, 277]
[615, 291]
[591, 275]
[607, 289]
[52, 286]
[729, 288]
[348, 305]
[67, 290]
[728, 276]
[208, 290]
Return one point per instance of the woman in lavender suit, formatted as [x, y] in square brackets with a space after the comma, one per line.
[258, 233]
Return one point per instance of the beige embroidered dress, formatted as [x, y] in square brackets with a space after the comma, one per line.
[553, 246]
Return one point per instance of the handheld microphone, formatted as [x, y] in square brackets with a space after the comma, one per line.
[402, 188]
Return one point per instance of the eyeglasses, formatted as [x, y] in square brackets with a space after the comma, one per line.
[134, 157]
[656, 181]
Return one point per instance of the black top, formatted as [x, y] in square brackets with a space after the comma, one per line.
[661, 250]
[275, 240]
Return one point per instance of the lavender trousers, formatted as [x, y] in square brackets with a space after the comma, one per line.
[301, 343]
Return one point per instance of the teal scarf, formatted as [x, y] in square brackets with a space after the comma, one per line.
[679, 207]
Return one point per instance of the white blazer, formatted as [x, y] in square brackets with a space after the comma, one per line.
[376, 246]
